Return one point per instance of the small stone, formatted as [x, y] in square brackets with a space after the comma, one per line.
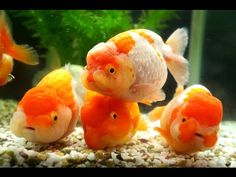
[91, 156]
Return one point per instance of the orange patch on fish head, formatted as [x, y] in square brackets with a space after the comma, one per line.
[38, 105]
[206, 109]
[101, 57]
[142, 33]
[181, 127]
[187, 130]
[124, 42]
[108, 116]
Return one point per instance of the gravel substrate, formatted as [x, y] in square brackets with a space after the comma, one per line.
[146, 149]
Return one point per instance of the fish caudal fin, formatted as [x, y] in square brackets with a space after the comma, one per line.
[156, 113]
[24, 54]
[173, 54]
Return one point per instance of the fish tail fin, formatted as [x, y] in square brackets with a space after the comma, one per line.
[156, 113]
[6, 40]
[173, 54]
[22, 53]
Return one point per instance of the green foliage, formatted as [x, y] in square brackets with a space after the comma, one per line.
[74, 32]
[155, 19]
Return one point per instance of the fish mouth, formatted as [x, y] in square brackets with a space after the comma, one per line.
[199, 135]
[30, 128]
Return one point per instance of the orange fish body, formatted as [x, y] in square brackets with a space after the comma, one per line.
[107, 121]
[190, 121]
[49, 111]
[132, 65]
[9, 49]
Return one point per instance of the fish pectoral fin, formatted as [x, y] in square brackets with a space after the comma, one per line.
[138, 91]
[156, 113]
[143, 124]
[10, 78]
[179, 89]
[162, 132]
[147, 102]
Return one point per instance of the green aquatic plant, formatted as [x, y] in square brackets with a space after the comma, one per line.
[72, 33]
[155, 19]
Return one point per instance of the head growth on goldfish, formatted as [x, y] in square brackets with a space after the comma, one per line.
[132, 65]
[190, 122]
[108, 121]
[9, 50]
[49, 111]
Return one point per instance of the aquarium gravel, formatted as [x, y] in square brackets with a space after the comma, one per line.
[146, 149]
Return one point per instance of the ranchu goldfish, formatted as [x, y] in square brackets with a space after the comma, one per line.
[109, 122]
[49, 111]
[190, 121]
[9, 50]
[132, 66]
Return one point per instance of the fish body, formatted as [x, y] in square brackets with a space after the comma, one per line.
[107, 121]
[190, 121]
[132, 65]
[9, 50]
[49, 111]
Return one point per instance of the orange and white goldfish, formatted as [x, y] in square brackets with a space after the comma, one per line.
[9, 50]
[108, 122]
[190, 121]
[132, 66]
[49, 111]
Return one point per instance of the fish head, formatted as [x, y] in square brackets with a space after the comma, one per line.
[197, 120]
[107, 121]
[108, 72]
[6, 67]
[41, 116]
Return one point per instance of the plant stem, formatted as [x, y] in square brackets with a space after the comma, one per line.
[196, 44]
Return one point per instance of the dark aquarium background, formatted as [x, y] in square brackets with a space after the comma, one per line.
[65, 36]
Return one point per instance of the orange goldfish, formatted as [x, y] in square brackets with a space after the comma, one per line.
[190, 121]
[109, 122]
[9, 50]
[132, 66]
[49, 111]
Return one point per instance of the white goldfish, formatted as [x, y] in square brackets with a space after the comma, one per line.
[133, 65]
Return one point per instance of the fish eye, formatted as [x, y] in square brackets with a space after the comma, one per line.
[113, 115]
[111, 69]
[54, 116]
[183, 120]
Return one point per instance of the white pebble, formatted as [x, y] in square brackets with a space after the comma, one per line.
[91, 156]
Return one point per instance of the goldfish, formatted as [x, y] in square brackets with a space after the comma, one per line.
[190, 121]
[132, 65]
[9, 50]
[49, 111]
[108, 122]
